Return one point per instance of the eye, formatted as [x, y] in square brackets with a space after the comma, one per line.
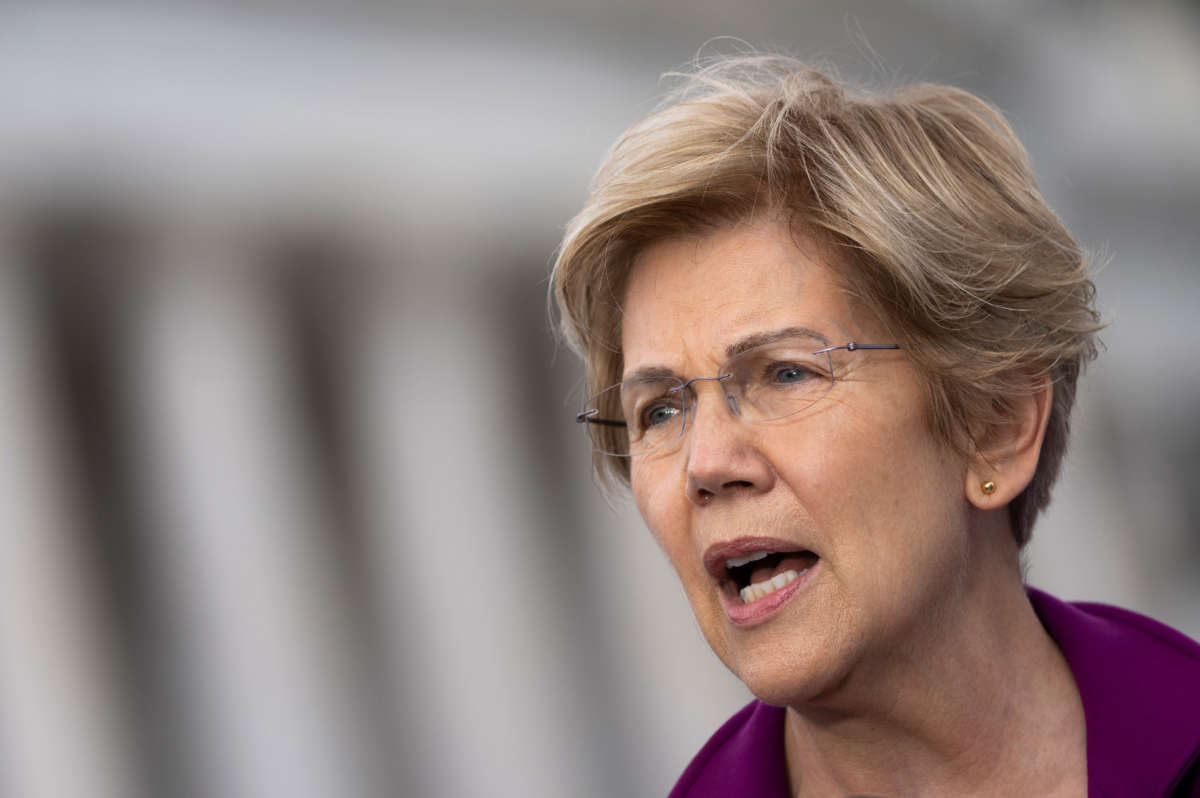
[657, 414]
[791, 373]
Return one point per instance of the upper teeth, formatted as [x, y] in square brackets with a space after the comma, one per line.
[734, 562]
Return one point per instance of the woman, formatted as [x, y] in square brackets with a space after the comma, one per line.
[833, 341]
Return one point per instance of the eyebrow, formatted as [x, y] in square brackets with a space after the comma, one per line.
[736, 348]
[651, 373]
[770, 337]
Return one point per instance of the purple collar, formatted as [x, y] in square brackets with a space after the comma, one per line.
[1140, 685]
[1138, 679]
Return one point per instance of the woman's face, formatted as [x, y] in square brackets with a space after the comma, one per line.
[854, 496]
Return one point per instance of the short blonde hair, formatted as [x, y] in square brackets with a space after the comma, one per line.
[923, 193]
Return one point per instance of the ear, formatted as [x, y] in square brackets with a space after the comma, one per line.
[1007, 451]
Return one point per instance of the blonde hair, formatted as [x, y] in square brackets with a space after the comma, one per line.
[923, 193]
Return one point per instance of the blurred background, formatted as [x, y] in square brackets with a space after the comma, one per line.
[291, 500]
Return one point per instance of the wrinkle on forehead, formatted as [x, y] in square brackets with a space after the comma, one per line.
[670, 304]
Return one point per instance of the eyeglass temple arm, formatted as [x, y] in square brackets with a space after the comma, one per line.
[590, 417]
[853, 345]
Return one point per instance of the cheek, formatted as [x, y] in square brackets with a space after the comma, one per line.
[659, 507]
[889, 495]
[666, 511]
[914, 520]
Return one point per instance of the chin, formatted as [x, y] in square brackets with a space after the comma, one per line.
[784, 676]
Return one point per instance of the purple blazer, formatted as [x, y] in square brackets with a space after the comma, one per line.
[1140, 685]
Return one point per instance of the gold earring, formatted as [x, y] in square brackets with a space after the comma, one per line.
[988, 487]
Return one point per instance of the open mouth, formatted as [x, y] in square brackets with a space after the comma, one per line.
[758, 574]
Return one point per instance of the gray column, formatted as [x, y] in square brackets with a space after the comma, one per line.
[63, 731]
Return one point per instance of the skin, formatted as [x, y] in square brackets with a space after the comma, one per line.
[911, 661]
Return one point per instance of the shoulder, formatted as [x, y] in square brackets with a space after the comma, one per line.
[744, 757]
[1139, 681]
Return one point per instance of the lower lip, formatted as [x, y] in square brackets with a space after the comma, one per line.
[757, 612]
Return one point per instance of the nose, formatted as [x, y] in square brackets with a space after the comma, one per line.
[723, 457]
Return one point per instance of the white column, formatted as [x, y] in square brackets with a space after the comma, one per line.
[262, 678]
[479, 635]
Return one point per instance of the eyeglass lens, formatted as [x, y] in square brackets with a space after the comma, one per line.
[761, 384]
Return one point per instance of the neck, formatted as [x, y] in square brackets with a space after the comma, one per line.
[981, 703]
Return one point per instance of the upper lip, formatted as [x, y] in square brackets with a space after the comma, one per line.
[716, 554]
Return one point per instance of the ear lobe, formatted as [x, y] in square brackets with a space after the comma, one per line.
[1007, 453]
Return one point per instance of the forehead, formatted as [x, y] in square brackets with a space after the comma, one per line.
[689, 298]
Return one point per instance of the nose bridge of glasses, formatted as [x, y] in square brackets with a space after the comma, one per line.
[690, 395]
